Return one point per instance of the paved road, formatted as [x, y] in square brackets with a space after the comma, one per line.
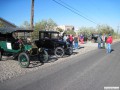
[91, 71]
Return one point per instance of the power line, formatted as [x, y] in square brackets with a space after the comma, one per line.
[73, 10]
[69, 6]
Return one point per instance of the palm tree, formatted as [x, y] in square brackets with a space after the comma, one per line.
[32, 14]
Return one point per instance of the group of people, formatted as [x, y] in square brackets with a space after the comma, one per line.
[106, 42]
[74, 40]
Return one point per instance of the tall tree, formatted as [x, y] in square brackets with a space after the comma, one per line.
[43, 25]
[86, 30]
[105, 29]
[32, 14]
[25, 25]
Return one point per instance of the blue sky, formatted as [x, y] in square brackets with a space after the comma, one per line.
[99, 11]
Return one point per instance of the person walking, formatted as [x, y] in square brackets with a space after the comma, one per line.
[109, 42]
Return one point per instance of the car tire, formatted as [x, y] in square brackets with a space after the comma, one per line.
[24, 60]
[43, 56]
[69, 51]
[59, 52]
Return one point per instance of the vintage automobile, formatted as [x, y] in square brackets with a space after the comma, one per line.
[53, 43]
[22, 49]
[94, 37]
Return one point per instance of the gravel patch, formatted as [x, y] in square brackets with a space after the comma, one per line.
[10, 68]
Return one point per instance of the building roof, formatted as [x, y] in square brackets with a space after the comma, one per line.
[48, 31]
[5, 30]
[7, 23]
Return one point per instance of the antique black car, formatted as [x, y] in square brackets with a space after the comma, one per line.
[53, 43]
[21, 48]
[94, 37]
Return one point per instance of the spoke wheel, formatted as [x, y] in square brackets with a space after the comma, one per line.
[0, 56]
[23, 59]
[59, 52]
[43, 56]
[69, 51]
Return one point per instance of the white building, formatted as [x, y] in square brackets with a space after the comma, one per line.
[66, 27]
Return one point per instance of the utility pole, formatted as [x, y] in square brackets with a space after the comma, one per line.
[32, 15]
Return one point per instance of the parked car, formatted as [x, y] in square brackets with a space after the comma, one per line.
[21, 49]
[53, 43]
[94, 37]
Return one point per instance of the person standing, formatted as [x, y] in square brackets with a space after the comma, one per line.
[82, 39]
[109, 42]
[103, 41]
[99, 40]
[71, 40]
[65, 38]
[76, 42]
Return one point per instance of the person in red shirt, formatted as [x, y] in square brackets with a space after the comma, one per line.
[109, 42]
[71, 40]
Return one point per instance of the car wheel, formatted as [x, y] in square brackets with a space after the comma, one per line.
[69, 51]
[59, 52]
[43, 56]
[0, 56]
[24, 60]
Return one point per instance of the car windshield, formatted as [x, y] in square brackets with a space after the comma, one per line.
[49, 35]
[23, 35]
[54, 36]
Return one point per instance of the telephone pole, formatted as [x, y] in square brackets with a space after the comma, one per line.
[32, 15]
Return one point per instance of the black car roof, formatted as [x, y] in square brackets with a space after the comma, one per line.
[48, 31]
[5, 30]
